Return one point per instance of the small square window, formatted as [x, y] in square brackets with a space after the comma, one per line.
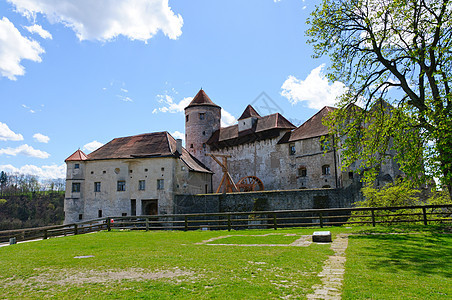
[203, 133]
[204, 145]
[77, 166]
[141, 185]
[202, 116]
[121, 187]
[97, 187]
[99, 213]
[350, 175]
[186, 118]
[302, 171]
[80, 216]
[104, 172]
[160, 184]
[124, 214]
[191, 145]
[130, 171]
[292, 149]
[145, 170]
[163, 169]
[76, 187]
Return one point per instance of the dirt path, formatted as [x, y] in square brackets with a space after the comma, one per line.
[333, 271]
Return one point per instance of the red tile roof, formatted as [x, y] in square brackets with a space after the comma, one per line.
[201, 98]
[249, 112]
[265, 127]
[77, 156]
[148, 145]
[311, 128]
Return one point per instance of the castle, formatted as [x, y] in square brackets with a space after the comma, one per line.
[140, 175]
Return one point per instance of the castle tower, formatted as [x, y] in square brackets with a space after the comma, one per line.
[202, 118]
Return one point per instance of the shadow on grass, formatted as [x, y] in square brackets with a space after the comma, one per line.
[422, 254]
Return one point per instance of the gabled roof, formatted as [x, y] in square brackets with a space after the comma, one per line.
[77, 156]
[148, 145]
[249, 112]
[265, 127]
[201, 98]
[311, 128]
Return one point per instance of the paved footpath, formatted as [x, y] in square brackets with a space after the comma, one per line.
[333, 272]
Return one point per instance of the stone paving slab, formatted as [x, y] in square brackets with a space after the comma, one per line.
[333, 271]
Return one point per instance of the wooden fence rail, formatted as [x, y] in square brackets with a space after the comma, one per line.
[421, 214]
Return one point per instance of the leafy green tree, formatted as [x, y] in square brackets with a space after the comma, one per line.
[398, 51]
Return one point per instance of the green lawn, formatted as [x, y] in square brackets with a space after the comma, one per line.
[402, 266]
[184, 265]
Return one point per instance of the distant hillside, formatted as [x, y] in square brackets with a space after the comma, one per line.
[31, 209]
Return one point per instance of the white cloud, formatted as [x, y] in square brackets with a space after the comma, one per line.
[7, 134]
[41, 138]
[170, 106]
[24, 150]
[105, 19]
[179, 135]
[173, 107]
[315, 90]
[227, 119]
[28, 108]
[124, 90]
[124, 98]
[92, 146]
[39, 30]
[14, 48]
[44, 172]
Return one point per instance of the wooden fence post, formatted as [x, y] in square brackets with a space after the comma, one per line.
[147, 224]
[321, 219]
[424, 213]
[108, 224]
[45, 234]
[75, 229]
[186, 223]
[275, 224]
[229, 222]
[373, 217]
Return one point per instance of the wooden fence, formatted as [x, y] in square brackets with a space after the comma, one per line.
[422, 214]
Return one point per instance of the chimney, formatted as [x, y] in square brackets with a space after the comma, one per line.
[179, 146]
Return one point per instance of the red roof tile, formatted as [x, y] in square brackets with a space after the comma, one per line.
[148, 145]
[77, 156]
[201, 98]
[249, 112]
[311, 128]
[266, 127]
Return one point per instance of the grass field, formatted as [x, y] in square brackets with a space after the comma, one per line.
[251, 264]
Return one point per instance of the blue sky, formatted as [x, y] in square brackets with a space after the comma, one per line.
[76, 74]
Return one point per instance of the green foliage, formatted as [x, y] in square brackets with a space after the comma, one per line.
[400, 193]
[389, 195]
[31, 210]
[398, 51]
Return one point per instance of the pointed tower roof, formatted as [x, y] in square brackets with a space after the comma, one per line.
[77, 156]
[201, 98]
[249, 112]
